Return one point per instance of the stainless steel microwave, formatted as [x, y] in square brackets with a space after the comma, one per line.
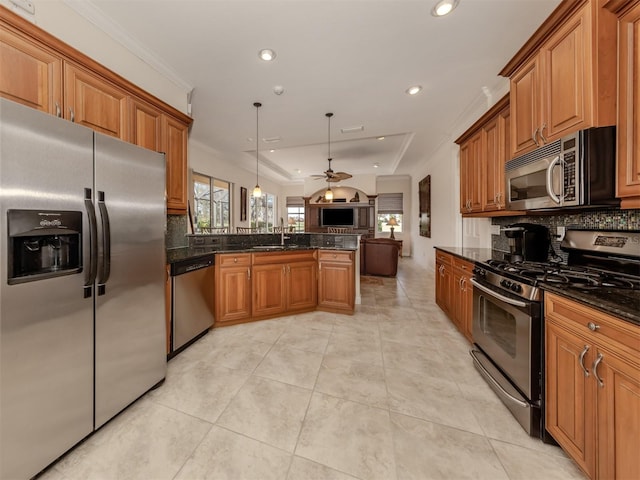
[577, 170]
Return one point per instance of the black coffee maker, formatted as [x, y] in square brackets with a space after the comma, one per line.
[527, 242]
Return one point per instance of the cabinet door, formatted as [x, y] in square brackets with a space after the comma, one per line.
[269, 289]
[567, 68]
[492, 153]
[618, 417]
[175, 148]
[628, 185]
[302, 285]
[29, 74]
[570, 409]
[233, 294]
[524, 99]
[336, 285]
[363, 217]
[145, 125]
[471, 174]
[94, 102]
[456, 304]
[444, 286]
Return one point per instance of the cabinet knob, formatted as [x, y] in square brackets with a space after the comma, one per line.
[592, 326]
[235, 259]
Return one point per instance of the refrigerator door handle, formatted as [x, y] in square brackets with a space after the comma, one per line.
[93, 243]
[106, 243]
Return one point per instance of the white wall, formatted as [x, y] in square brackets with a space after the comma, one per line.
[447, 225]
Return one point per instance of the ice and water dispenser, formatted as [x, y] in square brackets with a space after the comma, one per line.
[43, 244]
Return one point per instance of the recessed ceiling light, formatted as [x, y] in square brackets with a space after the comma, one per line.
[298, 171]
[267, 54]
[376, 165]
[271, 151]
[379, 138]
[444, 7]
[414, 90]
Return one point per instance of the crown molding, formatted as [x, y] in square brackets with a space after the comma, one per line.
[93, 14]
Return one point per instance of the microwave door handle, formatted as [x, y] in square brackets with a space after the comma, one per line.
[549, 185]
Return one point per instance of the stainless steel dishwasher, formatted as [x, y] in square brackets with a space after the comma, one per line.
[191, 300]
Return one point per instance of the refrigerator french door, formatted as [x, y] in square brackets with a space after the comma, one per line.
[82, 330]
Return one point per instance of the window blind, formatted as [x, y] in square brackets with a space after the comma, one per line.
[295, 202]
[390, 203]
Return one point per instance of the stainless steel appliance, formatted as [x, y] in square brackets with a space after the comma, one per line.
[576, 170]
[82, 332]
[192, 300]
[507, 311]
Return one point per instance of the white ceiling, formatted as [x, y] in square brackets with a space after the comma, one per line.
[354, 58]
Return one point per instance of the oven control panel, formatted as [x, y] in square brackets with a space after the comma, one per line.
[500, 282]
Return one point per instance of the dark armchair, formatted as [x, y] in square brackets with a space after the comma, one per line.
[379, 256]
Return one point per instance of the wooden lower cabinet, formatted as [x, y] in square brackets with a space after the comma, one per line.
[232, 288]
[444, 281]
[263, 285]
[336, 281]
[593, 388]
[454, 292]
[462, 296]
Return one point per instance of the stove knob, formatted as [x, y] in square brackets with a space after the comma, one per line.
[505, 283]
[517, 288]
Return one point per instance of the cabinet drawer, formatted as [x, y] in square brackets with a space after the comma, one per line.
[462, 265]
[267, 258]
[604, 328]
[442, 257]
[335, 256]
[233, 260]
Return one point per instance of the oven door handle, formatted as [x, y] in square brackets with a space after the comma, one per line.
[515, 303]
[488, 376]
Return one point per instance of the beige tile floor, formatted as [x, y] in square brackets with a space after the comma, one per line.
[388, 393]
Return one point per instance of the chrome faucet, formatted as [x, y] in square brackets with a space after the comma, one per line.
[282, 237]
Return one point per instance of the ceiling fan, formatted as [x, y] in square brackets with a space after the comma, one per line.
[329, 175]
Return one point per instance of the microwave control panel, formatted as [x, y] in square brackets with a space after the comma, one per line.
[569, 162]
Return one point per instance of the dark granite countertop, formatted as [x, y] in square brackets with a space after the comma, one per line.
[622, 303]
[474, 254]
[184, 253]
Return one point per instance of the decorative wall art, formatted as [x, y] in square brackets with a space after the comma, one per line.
[424, 197]
[243, 204]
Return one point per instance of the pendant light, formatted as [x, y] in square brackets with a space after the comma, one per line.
[328, 195]
[257, 192]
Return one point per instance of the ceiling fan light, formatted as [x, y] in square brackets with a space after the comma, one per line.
[328, 195]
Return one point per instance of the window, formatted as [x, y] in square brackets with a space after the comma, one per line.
[295, 214]
[263, 212]
[211, 200]
[389, 206]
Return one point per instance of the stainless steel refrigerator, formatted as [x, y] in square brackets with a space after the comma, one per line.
[82, 329]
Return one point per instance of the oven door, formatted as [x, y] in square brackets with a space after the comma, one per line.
[507, 330]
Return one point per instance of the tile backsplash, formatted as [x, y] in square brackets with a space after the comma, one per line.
[605, 219]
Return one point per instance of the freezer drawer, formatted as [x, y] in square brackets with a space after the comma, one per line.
[192, 301]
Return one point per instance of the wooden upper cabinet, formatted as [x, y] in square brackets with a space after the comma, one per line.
[145, 128]
[563, 79]
[628, 176]
[484, 151]
[174, 134]
[94, 102]
[30, 74]
[525, 107]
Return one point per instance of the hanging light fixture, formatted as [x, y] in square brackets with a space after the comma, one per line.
[328, 195]
[257, 192]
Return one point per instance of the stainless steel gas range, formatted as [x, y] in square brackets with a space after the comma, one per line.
[508, 314]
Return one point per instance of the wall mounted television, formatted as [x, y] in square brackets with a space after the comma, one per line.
[337, 217]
